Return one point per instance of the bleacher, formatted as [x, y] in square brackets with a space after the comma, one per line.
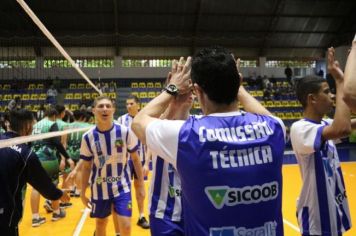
[31, 95]
[77, 93]
[74, 93]
[146, 90]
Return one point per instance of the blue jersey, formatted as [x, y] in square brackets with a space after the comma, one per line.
[230, 166]
[107, 150]
[322, 207]
[165, 191]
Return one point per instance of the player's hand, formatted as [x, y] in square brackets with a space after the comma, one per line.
[334, 67]
[145, 170]
[71, 176]
[71, 164]
[180, 75]
[85, 200]
[238, 64]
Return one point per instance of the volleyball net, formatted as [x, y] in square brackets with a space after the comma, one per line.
[57, 45]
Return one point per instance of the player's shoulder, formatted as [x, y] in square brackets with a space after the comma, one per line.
[88, 132]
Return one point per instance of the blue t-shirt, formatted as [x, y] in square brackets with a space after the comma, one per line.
[230, 165]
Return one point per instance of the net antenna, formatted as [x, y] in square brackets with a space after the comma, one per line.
[48, 34]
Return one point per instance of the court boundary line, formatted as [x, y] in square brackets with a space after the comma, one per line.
[81, 222]
[291, 225]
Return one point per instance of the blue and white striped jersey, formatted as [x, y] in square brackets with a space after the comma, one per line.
[126, 120]
[230, 167]
[322, 208]
[165, 191]
[108, 151]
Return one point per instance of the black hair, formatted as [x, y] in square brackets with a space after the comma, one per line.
[310, 84]
[88, 116]
[214, 70]
[60, 108]
[134, 97]
[19, 119]
[79, 114]
[50, 112]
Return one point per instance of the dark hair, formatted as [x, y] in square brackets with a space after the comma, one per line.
[310, 84]
[51, 112]
[88, 116]
[214, 70]
[5, 117]
[19, 119]
[78, 114]
[134, 97]
[59, 108]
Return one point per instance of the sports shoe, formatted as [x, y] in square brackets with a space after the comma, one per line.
[65, 204]
[48, 206]
[59, 216]
[38, 222]
[143, 223]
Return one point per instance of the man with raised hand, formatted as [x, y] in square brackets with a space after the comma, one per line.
[103, 151]
[322, 207]
[165, 204]
[229, 161]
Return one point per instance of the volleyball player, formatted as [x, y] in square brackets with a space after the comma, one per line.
[64, 166]
[103, 151]
[229, 161]
[322, 208]
[165, 192]
[46, 150]
[133, 106]
[20, 165]
[73, 147]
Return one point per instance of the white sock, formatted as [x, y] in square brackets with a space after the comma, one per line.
[35, 216]
[141, 215]
[57, 211]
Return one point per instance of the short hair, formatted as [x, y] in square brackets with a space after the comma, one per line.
[102, 97]
[50, 112]
[60, 108]
[310, 84]
[214, 70]
[134, 97]
[88, 116]
[78, 114]
[19, 119]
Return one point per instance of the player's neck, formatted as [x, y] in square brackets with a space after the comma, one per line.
[312, 115]
[176, 114]
[102, 127]
[133, 114]
[212, 107]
